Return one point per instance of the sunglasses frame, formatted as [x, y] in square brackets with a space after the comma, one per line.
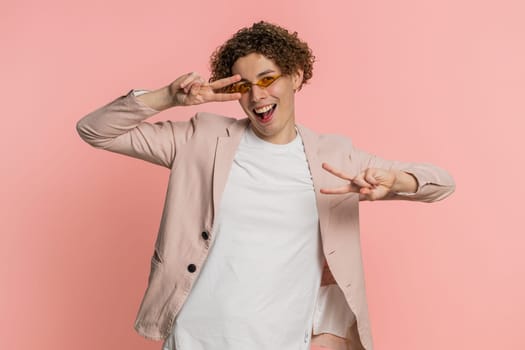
[236, 87]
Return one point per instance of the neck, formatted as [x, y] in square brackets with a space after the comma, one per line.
[282, 138]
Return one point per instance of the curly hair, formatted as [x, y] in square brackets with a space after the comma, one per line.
[272, 41]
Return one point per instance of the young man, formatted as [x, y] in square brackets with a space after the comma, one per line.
[252, 224]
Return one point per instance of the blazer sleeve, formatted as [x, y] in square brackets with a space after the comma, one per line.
[119, 127]
[434, 183]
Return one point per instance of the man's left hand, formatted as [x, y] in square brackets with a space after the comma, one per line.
[373, 183]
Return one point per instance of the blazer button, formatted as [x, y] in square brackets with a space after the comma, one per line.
[192, 268]
[205, 235]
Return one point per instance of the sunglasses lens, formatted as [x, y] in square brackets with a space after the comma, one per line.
[239, 87]
[266, 81]
[244, 87]
[232, 89]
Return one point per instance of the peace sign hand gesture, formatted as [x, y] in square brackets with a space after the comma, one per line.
[191, 89]
[373, 183]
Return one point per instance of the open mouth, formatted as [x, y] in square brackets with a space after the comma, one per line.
[265, 113]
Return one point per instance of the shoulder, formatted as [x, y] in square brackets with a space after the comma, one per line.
[330, 141]
[335, 139]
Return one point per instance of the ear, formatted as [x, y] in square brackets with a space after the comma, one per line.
[297, 79]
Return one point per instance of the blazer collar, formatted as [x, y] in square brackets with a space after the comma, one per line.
[224, 154]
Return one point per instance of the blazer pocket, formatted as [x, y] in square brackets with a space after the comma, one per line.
[156, 259]
[155, 267]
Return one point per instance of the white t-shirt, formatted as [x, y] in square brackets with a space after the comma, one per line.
[258, 287]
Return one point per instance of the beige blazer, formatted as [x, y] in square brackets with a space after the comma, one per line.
[199, 154]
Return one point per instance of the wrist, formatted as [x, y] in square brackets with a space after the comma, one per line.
[404, 182]
[159, 99]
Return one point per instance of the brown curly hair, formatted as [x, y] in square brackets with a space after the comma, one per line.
[272, 41]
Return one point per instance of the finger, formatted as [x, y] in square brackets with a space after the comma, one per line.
[195, 89]
[360, 181]
[190, 77]
[186, 80]
[370, 177]
[219, 84]
[225, 97]
[340, 190]
[366, 194]
[335, 172]
[365, 191]
[370, 194]
[192, 81]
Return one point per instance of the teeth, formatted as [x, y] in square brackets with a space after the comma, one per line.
[263, 109]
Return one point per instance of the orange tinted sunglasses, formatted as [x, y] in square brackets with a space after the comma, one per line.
[245, 86]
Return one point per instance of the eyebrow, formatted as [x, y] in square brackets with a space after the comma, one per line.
[265, 72]
[260, 74]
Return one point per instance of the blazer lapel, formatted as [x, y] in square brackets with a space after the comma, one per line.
[311, 149]
[224, 154]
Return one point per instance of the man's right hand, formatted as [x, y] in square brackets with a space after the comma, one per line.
[190, 89]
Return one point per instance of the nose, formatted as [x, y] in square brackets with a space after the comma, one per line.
[257, 93]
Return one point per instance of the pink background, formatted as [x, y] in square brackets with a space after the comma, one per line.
[436, 81]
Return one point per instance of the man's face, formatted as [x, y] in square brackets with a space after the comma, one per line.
[271, 109]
